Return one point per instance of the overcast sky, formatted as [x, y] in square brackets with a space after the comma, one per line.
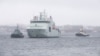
[72, 12]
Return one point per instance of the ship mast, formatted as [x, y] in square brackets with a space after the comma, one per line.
[44, 15]
[41, 15]
[17, 27]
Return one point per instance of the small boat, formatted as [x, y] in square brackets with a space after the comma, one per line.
[82, 33]
[17, 33]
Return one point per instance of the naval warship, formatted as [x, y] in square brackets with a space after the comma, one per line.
[42, 26]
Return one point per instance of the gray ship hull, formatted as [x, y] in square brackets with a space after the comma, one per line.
[41, 33]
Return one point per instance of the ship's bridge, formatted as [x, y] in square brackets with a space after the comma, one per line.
[39, 21]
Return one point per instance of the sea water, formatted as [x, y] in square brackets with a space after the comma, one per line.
[66, 45]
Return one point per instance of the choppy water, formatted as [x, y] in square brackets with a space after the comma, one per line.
[67, 45]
